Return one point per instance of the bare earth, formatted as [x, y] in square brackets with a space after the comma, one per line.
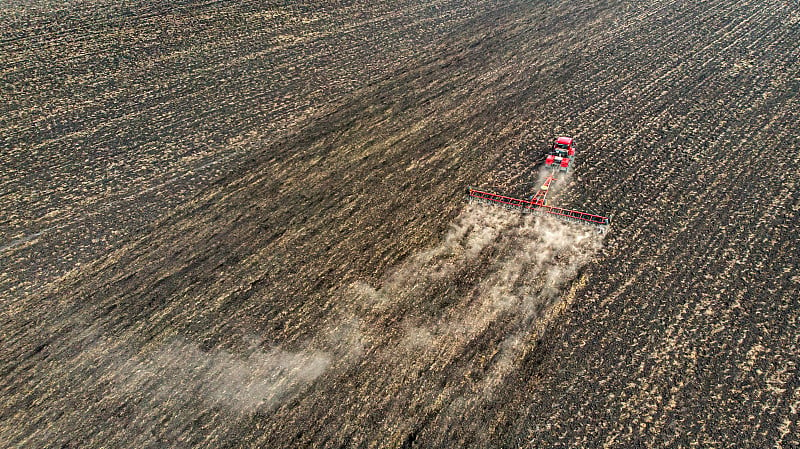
[244, 224]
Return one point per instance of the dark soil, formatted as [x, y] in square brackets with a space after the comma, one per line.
[243, 224]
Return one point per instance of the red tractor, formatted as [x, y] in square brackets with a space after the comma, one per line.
[561, 154]
[559, 158]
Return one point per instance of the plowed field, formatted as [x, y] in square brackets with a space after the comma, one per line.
[244, 224]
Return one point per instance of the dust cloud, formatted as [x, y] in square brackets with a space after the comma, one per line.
[530, 259]
[515, 267]
[518, 269]
[179, 372]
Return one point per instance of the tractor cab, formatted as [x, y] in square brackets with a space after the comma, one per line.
[563, 146]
